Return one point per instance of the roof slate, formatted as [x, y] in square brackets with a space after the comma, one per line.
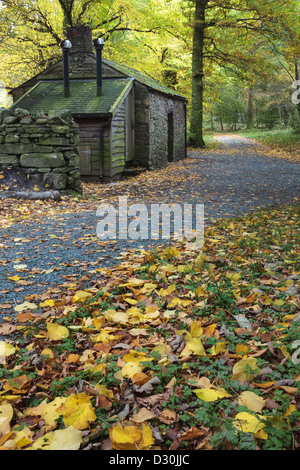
[83, 99]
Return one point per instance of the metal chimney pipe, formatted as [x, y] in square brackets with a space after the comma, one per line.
[66, 45]
[99, 44]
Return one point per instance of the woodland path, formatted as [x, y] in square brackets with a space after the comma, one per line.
[232, 180]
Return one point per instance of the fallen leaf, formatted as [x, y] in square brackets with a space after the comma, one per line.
[78, 411]
[55, 331]
[143, 415]
[252, 401]
[247, 422]
[62, 439]
[125, 436]
[168, 417]
[208, 394]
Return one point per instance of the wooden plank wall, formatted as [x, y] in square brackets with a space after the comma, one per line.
[118, 141]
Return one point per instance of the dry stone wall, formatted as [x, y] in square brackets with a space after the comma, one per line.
[44, 146]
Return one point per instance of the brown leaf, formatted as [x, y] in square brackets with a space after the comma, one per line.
[143, 415]
[168, 417]
[193, 433]
[7, 329]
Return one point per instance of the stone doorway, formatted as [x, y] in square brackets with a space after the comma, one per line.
[170, 136]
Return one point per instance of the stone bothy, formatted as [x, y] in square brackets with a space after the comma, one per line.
[135, 121]
[43, 146]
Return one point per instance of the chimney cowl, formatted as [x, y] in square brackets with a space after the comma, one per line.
[98, 43]
[66, 45]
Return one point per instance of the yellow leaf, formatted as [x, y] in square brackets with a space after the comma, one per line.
[209, 394]
[233, 276]
[196, 329]
[136, 356]
[6, 411]
[131, 301]
[194, 346]
[23, 442]
[241, 349]
[201, 291]
[151, 313]
[6, 350]
[279, 302]
[4, 425]
[128, 437]
[252, 401]
[171, 251]
[290, 409]
[135, 315]
[161, 349]
[98, 322]
[47, 353]
[217, 348]
[15, 278]
[245, 370]
[104, 337]
[200, 260]
[24, 437]
[63, 439]
[130, 369]
[169, 290]
[149, 286]
[49, 412]
[247, 422]
[48, 303]
[80, 296]
[180, 302]
[56, 332]
[78, 411]
[25, 306]
[116, 317]
[104, 391]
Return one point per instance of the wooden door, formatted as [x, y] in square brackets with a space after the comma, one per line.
[90, 148]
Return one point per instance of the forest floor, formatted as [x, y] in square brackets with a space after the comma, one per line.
[138, 345]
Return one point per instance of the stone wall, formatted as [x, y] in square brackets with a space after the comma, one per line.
[43, 146]
[161, 106]
[158, 130]
[179, 112]
[141, 125]
[151, 127]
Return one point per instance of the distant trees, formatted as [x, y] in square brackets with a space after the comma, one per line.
[227, 35]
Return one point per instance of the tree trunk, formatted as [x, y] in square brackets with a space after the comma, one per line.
[212, 127]
[220, 117]
[250, 109]
[196, 126]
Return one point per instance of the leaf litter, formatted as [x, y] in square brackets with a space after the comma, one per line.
[171, 349]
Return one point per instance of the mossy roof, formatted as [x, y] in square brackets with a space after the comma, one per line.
[83, 99]
[142, 78]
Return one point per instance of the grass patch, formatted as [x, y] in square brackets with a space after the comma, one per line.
[287, 140]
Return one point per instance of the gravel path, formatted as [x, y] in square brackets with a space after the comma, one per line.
[64, 248]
